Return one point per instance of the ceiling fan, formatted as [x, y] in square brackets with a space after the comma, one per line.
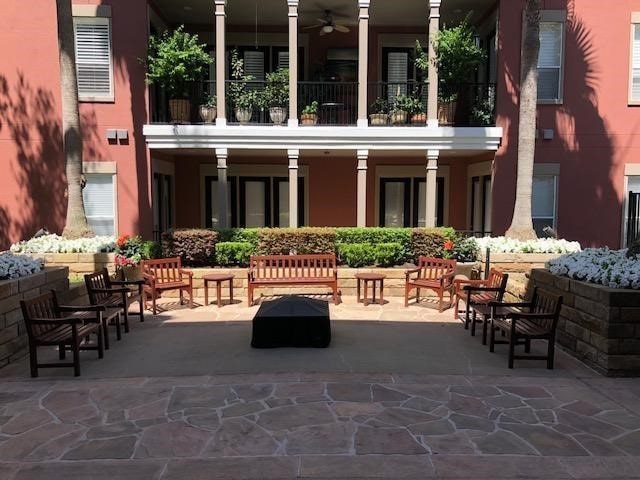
[327, 24]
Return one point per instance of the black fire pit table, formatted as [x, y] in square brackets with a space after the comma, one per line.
[292, 321]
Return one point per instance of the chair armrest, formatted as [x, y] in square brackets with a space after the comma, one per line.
[81, 308]
[186, 272]
[467, 282]
[507, 304]
[472, 288]
[410, 271]
[127, 282]
[111, 290]
[530, 316]
[447, 278]
[149, 278]
[54, 321]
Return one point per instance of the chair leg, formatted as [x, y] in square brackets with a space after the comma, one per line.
[33, 359]
[417, 295]
[406, 295]
[190, 297]
[142, 305]
[153, 302]
[457, 306]
[62, 352]
[527, 346]
[485, 324]
[512, 349]
[474, 318]
[76, 359]
[118, 330]
[551, 353]
[467, 314]
[440, 305]
[492, 338]
[125, 313]
[100, 343]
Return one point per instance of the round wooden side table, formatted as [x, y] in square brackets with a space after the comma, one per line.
[372, 278]
[218, 278]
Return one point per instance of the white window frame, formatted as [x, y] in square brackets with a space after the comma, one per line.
[106, 168]
[549, 170]
[556, 16]
[97, 20]
[630, 170]
[635, 23]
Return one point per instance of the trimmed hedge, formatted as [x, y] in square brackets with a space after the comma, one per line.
[389, 254]
[248, 235]
[356, 255]
[194, 246]
[234, 253]
[429, 242]
[303, 241]
[376, 236]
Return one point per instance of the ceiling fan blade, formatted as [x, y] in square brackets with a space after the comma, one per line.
[341, 28]
[322, 33]
[313, 26]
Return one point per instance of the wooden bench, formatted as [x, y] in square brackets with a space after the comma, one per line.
[50, 324]
[292, 270]
[115, 294]
[477, 295]
[522, 322]
[433, 274]
[163, 274]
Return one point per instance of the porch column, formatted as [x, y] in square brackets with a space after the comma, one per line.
[220, 63]
[431, 188]
[363, 61]
[223, 186]
[432, 98]
[363, 155]
[293, 187]
[293, 62]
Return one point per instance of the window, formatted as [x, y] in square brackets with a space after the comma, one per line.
[93, 58]
[212, 203]
[634, 81]
[481, 205]
[544, 201]
[403, 202]
[551, 56]
[632, 209]
[99, 203]
[162, 204]
[281, 202]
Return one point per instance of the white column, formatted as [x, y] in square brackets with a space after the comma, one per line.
[363, 155]
[431, 188]
[293, 62]
[220, 63]
[223, 186]
[432, 99]
[293, 187]
[363, 61]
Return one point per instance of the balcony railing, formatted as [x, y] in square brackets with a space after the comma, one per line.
[471, 104]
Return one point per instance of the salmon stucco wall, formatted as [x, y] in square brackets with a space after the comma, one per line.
[33, 187]
[596, 131]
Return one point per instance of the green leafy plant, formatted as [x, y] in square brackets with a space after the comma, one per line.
[482, 112]
[379, 106]
[194, 246]
[131, 250]
[311, 109]
[430, 242]
[356, 255]
[389, 254]
[403, 103]
[306, 240]
[377, 236]
[209, 100]
[466, 249]
[457, 57]
[240, 94]
[421, 60]
[234, 253]
[276, 90]
[174, 60]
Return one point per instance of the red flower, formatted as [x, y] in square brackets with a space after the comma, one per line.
[448, 245]
[122, 240]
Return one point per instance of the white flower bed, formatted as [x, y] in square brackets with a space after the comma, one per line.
[610, 268]
[541, 245]
[57, 244]
[16, 266]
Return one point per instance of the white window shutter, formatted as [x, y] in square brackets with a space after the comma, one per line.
[397, 68]
[93, 57]
[283, 60]
[550, 60]
[254, 64]
[635, 87]
[98, 196]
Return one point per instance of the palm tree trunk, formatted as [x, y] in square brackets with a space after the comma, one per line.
[522, 224]
[76, 222]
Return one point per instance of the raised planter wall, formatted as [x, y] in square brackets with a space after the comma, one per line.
[13, 336]
[78, 263]
[598, 325]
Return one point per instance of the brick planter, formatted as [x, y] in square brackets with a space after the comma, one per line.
[78, 263]
[13, 336]
[598, 325]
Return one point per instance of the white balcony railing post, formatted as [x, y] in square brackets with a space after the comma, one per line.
[361, 215]
[293, 187]
[293, 62]
[363, 61]
[434, 28]
[220, 62]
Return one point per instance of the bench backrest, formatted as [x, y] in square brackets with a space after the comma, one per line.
[435, 268]
[43, 306]
[97, 281]
[164, 270]
[292, 266]
[498, 279]
[547, 303]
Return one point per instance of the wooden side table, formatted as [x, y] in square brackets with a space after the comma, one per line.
[372, 278]
[218, 278]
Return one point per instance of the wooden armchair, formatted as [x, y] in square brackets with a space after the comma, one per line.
[433, 274]
[50, 324]
[522, 322]
[164, 274]
[477, 295]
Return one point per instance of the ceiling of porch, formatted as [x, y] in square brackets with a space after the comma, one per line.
[274, 12]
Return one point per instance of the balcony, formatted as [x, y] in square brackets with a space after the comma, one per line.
[337, 104]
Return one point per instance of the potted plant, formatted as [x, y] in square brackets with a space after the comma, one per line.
[129, 252]
[457, 57]
[310, 114]
[174, 61]
[417, 111]
[275, 96]
[208, 109]
[402, 105]
[243, 98]
[379, 111]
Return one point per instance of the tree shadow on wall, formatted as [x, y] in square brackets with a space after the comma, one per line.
[34, 169]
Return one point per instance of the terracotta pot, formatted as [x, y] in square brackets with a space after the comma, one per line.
[180, 110]
[309, 119]
[278, 115]
[378, 118]
[398, 117]
[447, 112]
[208, 114]
[243, 115]
[419, 118]
[131, 272]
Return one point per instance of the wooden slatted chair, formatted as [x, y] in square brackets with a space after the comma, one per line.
[164, 274]
[291, 270]
[477, 296]
[50, 324]
[435, 274]
[522, 322]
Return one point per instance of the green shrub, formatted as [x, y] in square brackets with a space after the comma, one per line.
[249, 235]
[194, 246]
[356, 255]
[234, 253]
[151, 249]
[466, 249]
[429, 242]
[376, 236]
[389, 254]
[306, 240]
